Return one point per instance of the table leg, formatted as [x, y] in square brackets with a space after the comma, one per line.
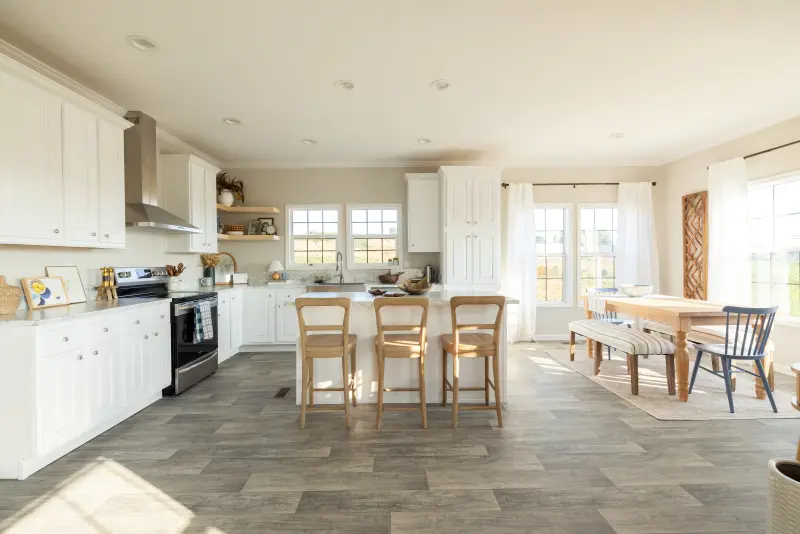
[682, 365]
[769, 371]
[589, 342]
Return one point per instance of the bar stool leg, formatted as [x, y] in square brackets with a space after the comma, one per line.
[353, 374]
[311, 379]
[345, 376]
[455, 390]
[423, 403]
[379, 416]
[497, 393]
[304, 391]
[486, 380]
[444, 377]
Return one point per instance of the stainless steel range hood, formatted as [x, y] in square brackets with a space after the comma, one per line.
[141, 182]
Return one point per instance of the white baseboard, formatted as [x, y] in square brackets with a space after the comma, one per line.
[551, 337]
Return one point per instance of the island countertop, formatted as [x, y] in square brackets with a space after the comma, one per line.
[438, 297]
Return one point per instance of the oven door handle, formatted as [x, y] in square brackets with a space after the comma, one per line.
[198, 362]
[186, 307]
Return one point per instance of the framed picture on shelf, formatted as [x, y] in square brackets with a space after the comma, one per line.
[72, 281]
[254, 227]
[45, 292]
[267, 226]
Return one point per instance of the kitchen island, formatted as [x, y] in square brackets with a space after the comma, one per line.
[400, 373]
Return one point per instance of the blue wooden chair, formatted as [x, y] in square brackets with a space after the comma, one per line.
[746, 334]
[607, 316]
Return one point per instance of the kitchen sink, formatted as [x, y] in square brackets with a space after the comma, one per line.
[336, 287]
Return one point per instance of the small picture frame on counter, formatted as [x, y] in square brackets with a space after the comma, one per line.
[45, 292]
[72, 281]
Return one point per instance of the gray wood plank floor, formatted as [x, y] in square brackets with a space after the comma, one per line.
[227, 458]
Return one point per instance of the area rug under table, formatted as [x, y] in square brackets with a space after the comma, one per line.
[707, 401]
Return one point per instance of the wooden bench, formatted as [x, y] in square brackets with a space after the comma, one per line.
[633, 343]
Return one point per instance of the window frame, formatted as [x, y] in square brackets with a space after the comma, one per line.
[578, 255]
[289, 248]
[400, 244]
[771, 181]
[568, 287]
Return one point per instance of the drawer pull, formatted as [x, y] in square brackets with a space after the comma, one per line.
[66, 339]
[156, 334]
[105, 329]
[107, 235]
[80, 356]
[146, 337]
[55, 231]
[162, 316]
[96, 353]
[137, 322]
[94, 234]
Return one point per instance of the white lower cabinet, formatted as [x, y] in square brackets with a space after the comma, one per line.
[271, 316]
[72, 380]
[236, 309]
[286, 329]
[229, 323]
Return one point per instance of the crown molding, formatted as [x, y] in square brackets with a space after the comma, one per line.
[416, 164]
[177, 146]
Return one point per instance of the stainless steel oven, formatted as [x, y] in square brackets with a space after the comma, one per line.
[191, 361]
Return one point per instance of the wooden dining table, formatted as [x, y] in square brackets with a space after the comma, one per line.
[681, 315]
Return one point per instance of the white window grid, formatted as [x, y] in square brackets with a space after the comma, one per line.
[597, 246]
[313, 234]
[554, 254]
[374, 235]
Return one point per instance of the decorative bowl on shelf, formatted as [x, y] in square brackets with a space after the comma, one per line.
[234, 229]
[415, 286]
[636, 290]
[376, 292]
[389, 278]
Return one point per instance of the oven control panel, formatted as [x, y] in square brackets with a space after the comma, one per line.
[139, 275]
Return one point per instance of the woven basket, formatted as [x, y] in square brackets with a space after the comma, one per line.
[10, 297]
[783, 502]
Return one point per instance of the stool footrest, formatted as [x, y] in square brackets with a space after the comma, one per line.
[325, 408]
[476, 407]
[394, 390]
[389, 408]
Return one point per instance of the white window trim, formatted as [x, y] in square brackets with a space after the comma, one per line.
[770, 181]
[591, 205]
[351, 264]
[569, 256]
[290, 265]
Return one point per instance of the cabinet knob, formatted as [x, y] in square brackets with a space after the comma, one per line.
[66, 339]
[137, 322]
[156, 334]
[107, 235]
[80, 356]
[146, 337]
[55, 231]
[96, 352]
[94, 234]
[105, 329]
[162, 316]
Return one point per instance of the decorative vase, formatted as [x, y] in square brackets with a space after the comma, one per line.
[783, 500]
[210, 272]
[10, 297]
[225, 197]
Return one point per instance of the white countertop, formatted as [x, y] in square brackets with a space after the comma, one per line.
[436, 297]
[27, 317]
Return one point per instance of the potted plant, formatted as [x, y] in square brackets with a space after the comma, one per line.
[229, 189]
[210, 261]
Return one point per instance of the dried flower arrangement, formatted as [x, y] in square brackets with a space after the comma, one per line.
[226, 181]
[209, 260]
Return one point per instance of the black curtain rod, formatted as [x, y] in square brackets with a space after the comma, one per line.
[768, 150]
[573, 184]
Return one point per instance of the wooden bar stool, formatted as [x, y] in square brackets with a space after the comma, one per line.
[479, 345]
[326, 346]
[407, 345]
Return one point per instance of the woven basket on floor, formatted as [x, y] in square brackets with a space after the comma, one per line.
[10, 297]
[783, 502]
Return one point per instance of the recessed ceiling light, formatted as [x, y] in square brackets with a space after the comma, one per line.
[423, 141]
[309, 142]
[140, 43]
[617, 135]
[347, 85]
[232, 121]
[439, 85]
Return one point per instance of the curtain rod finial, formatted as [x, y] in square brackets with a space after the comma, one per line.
[654, 183]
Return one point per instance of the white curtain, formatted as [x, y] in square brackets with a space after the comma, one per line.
[728, 237]
[637, 254]
[520, 251]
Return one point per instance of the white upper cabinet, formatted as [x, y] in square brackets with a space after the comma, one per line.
[31, 188]
[190, 193]
[62, 166]
[471, 230]
[422, 201]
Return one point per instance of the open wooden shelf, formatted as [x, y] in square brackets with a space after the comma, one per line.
[226, 237]
[249, 209]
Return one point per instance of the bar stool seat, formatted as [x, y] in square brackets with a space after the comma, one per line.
[328, 341]
[468, 343]
[401, 343]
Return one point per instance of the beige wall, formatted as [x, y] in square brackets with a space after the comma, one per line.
[689, 175]
[552, 322]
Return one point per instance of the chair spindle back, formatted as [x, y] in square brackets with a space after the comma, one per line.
[747, 329]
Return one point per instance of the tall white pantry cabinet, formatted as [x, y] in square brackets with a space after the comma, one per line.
[470, 213]
[62, 164]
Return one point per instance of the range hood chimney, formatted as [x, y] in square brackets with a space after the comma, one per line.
[141, 182]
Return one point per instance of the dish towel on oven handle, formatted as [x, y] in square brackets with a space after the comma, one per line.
[203, 325]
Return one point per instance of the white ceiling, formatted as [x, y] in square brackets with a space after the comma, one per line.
[533, 82]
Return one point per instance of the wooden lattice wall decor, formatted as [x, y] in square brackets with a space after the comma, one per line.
[695, 246]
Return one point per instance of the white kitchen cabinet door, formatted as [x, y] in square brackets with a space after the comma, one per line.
[422, 201]
[210, 228]
[80, 160]
[486, 258]
[136, 366]
[458, 201]
[59, 408]
[111, 177]
[190, 193]
[31, 188]
[286, 327]
[199, 210]
[160, 351]
[98, 370]
[259, 310]
[486, 200]
[236, 321]
[458, 263]
[224, 327]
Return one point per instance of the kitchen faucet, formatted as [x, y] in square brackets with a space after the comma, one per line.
[340, 267]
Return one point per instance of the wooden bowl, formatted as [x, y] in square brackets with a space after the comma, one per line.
[415, 286]
[389, 278]
[376, 292]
